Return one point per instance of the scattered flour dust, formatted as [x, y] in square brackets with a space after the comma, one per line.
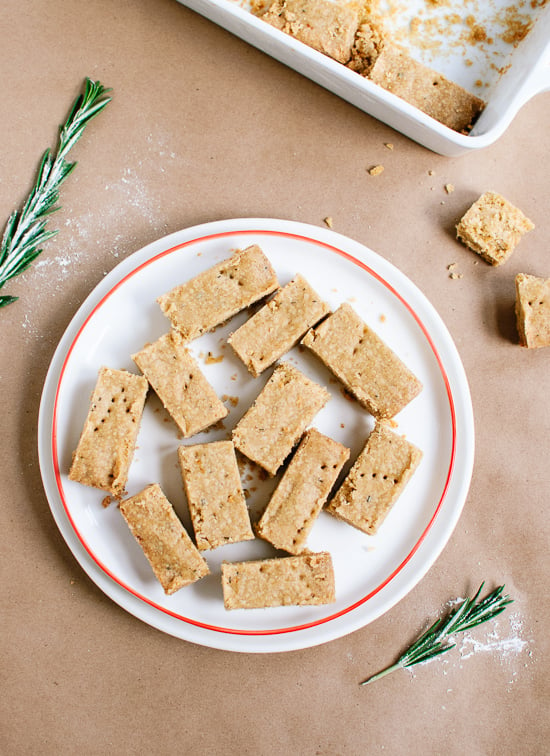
[129, 205]
[503, 638]
[507, 647]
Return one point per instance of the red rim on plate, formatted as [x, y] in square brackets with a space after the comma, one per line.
[392, 575]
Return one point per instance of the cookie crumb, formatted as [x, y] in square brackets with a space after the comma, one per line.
[388, 145]
[449, 188]
[376, 170]
[211, 360]
[431, 173]
[451, 267]
[328, 221]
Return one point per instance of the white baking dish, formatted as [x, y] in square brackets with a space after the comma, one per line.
[505, 75]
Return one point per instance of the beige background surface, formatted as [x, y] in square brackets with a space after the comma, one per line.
[203, 127]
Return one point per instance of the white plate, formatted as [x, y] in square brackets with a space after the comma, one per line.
[372, 572]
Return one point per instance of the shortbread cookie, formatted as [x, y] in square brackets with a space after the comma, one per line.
[220, 292]
[325, 26]
[426, 89]
[180, 385]
[376, 480]
[268, 431]
[303, 580]
[302, 492]
[366, 366]
[278, 326]
[214, 494]
[533, 310]
[104, 453]
[493, 227]
[172, 555]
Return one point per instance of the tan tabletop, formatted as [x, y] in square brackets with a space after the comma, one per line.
[204, 127]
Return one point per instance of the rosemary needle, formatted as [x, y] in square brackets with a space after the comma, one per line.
[435, 640]
[25, 230]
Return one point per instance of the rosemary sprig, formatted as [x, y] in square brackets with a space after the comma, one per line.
[25, 230]
[435, 640]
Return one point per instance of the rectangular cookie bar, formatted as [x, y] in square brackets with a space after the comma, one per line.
[302, 492]
[376, 480]
[104, 453]
[214, 494]
[533, 310]
[278, 326]
[493, 227]
[214, 296]
[325, 26]
[305, 580]
[172, 555]
[179, 383]
[268, 431]
[366, 366]
[426, 89]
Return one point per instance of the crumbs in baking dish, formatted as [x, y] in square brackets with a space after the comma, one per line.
[354, 36]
